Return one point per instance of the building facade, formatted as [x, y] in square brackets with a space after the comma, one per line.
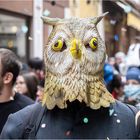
[21, 27]
[22, 30]
[119, 27]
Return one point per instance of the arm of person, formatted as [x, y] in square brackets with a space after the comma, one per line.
[16, 123]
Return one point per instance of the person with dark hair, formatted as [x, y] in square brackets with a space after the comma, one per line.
[10, 102]
[35, 63]
[37, 66]
[116, 87]
[26, 84]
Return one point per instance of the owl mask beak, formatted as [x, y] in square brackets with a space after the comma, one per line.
[75, 49]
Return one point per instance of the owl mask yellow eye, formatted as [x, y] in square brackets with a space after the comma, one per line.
[58, 45]
[93, 43]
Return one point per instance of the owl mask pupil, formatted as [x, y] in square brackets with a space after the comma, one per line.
[95, 43]
[56, 44]
[59, 46]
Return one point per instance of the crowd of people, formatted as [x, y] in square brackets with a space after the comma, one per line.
[123, 79]
[22, 85]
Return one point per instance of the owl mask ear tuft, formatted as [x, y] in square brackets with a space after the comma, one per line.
[51, 21]
[96, 20]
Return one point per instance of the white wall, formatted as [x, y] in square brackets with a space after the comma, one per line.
[37, 29]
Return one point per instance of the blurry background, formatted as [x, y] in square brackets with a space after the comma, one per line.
[22, 30]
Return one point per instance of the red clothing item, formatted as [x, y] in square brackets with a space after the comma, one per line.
[114, 94]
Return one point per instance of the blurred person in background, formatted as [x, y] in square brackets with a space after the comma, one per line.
[133, 54]
[10, 102]
[132, 87]
[26, 84]
[120, 63]
[40, 90]
[111, 61]
[37, 66]
[116, 87]
[108, 73]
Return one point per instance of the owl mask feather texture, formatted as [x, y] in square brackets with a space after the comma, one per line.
[74, 58]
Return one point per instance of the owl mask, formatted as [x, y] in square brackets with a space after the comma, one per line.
[74, 57]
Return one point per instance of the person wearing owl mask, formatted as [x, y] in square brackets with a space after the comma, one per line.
[76, 103]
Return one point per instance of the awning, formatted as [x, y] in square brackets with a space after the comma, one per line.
[133, 21]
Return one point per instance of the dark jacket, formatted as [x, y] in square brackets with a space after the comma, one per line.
[76, 122]
[6, 108]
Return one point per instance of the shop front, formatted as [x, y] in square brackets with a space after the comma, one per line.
[13, 34]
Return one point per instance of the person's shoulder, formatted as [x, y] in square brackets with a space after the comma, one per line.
[125, 109]
[23, 100]
[16, 122]
[25, 112]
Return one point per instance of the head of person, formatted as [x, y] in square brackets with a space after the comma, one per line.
[36, 65]
[74, 60]
[119, 57]
[116, 86]
[133, 76]
[9, 67]
[132, 87]
[26, 84]
[111, 61]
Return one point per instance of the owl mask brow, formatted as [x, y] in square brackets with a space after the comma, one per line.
[52, 21]
[88, 35]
